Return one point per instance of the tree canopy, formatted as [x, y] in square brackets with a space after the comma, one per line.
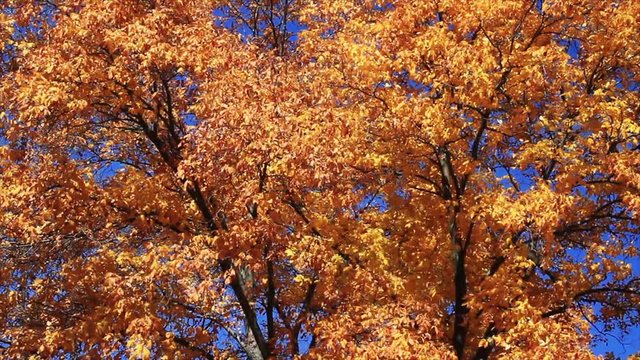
[283, 179]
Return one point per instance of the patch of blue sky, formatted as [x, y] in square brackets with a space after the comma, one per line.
[373, 201]
[383, 6]
[521, 178]
[223, 18]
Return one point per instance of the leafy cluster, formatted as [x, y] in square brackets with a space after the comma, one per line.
[318, 179]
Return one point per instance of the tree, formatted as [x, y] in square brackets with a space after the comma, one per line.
[401, 179]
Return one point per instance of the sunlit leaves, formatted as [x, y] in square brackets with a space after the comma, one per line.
[409, 179]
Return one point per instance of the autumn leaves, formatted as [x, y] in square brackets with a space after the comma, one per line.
[419, 179]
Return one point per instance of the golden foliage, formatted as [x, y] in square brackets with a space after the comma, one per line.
[322, 179]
